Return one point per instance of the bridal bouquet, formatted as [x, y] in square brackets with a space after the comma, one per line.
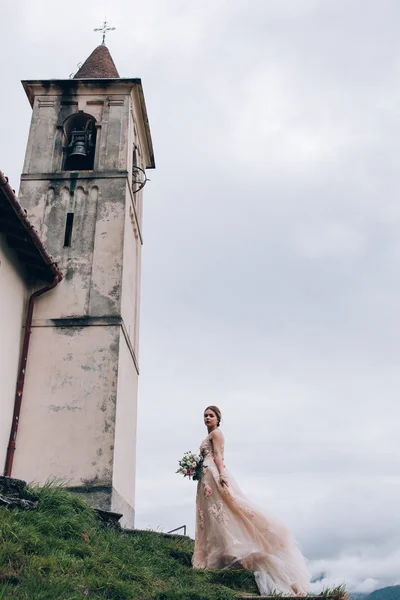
[191, 465]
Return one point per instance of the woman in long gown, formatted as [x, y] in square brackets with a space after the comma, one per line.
[232, 532]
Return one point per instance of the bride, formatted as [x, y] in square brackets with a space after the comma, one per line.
[233, 533]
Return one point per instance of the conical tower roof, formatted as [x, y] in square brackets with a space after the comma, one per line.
[99, 65]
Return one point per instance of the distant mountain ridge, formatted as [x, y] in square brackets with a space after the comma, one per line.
[392, 592]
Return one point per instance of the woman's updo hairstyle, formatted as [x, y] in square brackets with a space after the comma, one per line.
[217, 413]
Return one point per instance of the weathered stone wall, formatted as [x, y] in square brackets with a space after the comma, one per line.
[131, 274]
[13, 297]
[124, 466]
[68, 414]
[92, 265]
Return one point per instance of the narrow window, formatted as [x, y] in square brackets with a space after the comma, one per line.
[68, 229]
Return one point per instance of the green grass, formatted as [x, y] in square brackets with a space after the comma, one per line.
[61, 551]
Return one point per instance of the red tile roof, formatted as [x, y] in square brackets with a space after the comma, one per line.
[23, 237]
[99, 65]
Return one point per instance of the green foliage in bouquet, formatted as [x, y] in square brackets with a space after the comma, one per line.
[191, 465]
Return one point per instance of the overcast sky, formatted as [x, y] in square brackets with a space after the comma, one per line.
[271, 265]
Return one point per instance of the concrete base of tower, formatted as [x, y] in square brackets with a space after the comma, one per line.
[107, 498]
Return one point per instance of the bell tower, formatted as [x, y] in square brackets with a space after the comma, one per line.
[88, 148]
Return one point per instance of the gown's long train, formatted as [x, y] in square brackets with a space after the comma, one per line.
[230, 531]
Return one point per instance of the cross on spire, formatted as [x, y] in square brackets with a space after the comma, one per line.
[104, 30]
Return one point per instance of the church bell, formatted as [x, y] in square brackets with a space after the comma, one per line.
[78, 145]
[79, 152]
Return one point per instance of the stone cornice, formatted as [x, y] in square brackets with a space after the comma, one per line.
[78, 322]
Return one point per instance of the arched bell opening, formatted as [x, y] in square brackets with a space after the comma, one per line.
[79, 142]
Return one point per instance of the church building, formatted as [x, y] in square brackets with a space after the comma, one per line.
[70, 266]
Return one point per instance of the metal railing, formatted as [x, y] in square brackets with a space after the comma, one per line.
[178, 528]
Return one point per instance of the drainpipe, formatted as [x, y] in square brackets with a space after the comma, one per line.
[9, 194]
[21, 374]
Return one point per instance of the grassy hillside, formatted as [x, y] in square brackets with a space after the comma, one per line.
[61, 551]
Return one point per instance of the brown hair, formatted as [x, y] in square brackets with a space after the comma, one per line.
[217, 412]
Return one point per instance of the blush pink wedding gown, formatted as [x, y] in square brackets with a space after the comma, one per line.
[230, 531]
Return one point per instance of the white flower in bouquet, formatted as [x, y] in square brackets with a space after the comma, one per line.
[191, 465]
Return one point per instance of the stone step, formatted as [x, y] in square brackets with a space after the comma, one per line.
[12, 494]
[11, 487]
[109, 517]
